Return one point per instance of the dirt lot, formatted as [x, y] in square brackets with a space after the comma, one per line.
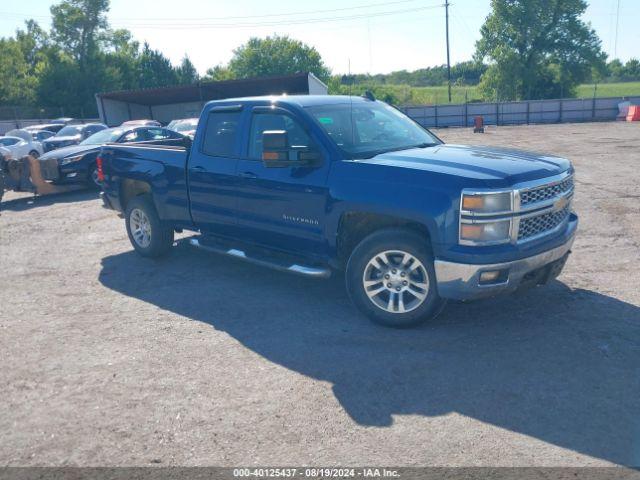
[111, 359]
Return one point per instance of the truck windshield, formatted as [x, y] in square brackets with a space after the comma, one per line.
[365, 130]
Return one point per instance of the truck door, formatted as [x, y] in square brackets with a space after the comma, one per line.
[211, 169]
[282, 208]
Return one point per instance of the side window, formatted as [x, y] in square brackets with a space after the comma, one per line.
[7, 142]
[262, 122]
[172, 134]
[158, 133]
[135, 136]
[221, 133]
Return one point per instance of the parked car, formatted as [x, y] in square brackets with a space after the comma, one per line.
[66, 121]
[185, 126]
[20, 143]
[71, 135]
[141, 123]
[41, 135]
[319, 184]
[77, 163]
[50, 127]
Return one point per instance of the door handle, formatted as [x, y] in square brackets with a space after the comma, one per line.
[198, 168]
[248, 175]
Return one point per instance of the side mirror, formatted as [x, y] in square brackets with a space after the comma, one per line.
[275, 146]
[276, 152]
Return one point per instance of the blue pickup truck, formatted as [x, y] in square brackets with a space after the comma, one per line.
[316, 185]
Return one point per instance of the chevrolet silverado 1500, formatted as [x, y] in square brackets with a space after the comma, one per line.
[321, 184]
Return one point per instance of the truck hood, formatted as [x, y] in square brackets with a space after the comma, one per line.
[478, 162]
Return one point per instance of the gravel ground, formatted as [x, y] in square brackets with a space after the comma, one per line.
[111, 359]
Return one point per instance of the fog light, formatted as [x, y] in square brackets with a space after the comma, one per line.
[493, 276]
[489, 276]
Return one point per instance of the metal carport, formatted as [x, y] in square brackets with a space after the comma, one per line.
[167, 103]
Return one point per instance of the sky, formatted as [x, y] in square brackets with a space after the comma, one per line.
[365, 36]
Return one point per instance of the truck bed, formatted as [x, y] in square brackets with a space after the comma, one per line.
[159, 164]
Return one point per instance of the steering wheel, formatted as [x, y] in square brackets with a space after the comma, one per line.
[382, 136]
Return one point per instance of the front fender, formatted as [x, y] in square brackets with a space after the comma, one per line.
[430, 208]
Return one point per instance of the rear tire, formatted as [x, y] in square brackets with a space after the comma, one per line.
[147, 234]
[391, 279]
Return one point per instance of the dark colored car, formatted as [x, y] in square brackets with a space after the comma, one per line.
[77, 163]
[71, 135]
[49, 127]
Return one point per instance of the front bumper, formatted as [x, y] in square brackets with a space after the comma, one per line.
[61, 174]
[461, 281]
[49, 168]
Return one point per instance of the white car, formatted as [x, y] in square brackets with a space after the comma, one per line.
[21, 143]
[5, 154]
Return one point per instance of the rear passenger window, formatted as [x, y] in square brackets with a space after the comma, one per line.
[220, 135]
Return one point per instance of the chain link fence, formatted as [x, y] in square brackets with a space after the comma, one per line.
[20, 117]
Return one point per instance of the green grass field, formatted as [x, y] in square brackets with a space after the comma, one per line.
[438, 95]
[610, 90]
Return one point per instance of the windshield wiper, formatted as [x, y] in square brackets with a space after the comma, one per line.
[369, 155]
[424, 145]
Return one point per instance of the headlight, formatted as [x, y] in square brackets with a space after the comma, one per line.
[485, 233]
[67, 160]
[499, 202]
[478, 225]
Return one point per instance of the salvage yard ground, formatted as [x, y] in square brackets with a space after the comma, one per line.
[111, 359]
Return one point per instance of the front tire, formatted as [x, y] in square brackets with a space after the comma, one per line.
[147, 234]
[34, 154]
[391, 279]
[92, 178]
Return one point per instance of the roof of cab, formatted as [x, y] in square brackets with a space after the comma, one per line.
[297, 100]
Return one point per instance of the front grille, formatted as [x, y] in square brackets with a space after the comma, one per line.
[532, 226]
[546, 192]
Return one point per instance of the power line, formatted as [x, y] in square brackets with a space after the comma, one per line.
[303, 21]
[244, 17]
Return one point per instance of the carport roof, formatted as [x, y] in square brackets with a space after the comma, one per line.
[204, 91]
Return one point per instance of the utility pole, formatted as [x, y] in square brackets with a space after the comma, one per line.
[615, 45]
[446, 7]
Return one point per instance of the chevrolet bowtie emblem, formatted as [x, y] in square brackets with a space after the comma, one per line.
[561, 203]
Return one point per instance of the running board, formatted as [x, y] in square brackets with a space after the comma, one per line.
[307, 271]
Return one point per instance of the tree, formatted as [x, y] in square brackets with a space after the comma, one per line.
[154, 69]
[276, 56]
[78, 26]
[219, 73]
[537, 49]
[17, 86]
[187, 73]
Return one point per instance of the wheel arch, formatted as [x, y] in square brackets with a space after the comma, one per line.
[131, 188]
[354, 226]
